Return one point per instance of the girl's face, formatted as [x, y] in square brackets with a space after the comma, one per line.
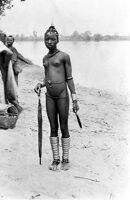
[51, 40]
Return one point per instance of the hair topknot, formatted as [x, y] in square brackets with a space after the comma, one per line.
[52, 29]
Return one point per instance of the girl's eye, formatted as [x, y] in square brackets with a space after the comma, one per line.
[50, 38]
[47, 40]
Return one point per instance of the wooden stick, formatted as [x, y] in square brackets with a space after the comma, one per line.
[95, 180]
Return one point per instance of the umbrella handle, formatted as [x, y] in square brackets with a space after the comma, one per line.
[39, 93]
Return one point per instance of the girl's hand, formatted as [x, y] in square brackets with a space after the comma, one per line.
[75, 106]
[37, 88]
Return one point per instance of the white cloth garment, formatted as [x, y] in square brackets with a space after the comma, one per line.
[4, 48]
[12, 88]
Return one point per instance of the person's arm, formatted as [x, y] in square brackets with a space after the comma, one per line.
[39, 86]
[20, 57]
[70, 82]
[14, 56]
[17, 56]
[42, 84]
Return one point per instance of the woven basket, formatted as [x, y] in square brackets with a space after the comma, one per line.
[8, 121]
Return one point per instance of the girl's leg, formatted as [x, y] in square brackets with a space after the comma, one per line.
[52, 114]
[54, 139]
[63, 107]
[63, 110]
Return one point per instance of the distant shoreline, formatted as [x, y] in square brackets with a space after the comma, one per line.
[40, 40]
[87, 36]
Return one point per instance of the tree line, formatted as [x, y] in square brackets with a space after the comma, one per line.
[75, 36]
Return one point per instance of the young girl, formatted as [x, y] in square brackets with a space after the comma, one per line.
[58, 75]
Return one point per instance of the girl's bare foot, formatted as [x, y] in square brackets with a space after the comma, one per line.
[54, 165]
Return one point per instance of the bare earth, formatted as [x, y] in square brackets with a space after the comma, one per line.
[99, 153]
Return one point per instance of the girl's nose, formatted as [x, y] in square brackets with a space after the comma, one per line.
[49, 41]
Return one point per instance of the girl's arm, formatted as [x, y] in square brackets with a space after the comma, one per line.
[41, 84]
[70, 82]
[68, 74]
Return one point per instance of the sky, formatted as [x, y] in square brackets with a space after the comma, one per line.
[97, 16]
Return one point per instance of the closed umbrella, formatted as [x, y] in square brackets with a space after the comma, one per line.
[39, 117]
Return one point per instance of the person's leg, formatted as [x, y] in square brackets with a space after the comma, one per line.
[63, 109]
[54, 139]
[16, 102]
[16, 78]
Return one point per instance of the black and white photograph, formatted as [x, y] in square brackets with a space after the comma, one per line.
[64, 99]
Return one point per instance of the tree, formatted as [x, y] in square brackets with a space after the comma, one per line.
[107, 37]
[6, 4]
[76, 36]
[87, 35]
[97, 37]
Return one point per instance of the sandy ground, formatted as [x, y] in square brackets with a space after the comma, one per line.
[99, 153]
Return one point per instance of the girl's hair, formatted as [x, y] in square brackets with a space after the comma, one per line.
[52, 29]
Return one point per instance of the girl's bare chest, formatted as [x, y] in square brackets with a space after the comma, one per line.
[52, 63]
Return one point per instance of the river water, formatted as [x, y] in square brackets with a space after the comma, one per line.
[102, 65]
